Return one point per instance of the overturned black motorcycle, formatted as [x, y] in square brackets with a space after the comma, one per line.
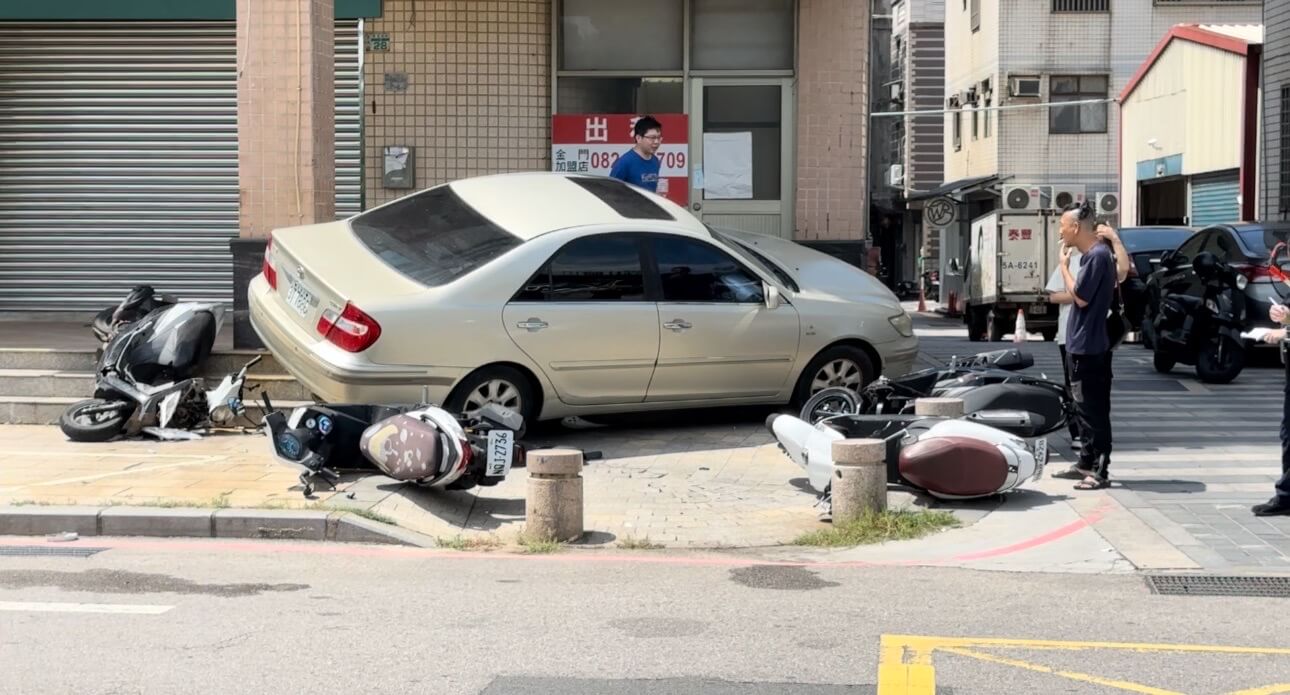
[421, 444]
[989, 383]
[145, 379]
[1203, 331]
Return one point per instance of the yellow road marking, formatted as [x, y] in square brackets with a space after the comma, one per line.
[1276, 689]
[905, 661]
[1072, 675]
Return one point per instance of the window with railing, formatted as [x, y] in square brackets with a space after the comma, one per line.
[1081, 5]
[1283, 193]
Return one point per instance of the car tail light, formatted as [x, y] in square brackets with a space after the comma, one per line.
[270, 270]
[350, 330]
[1255, 271]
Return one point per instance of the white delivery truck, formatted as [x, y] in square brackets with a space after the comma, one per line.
[1010, 257]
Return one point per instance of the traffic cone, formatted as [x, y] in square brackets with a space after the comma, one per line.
[1020, 329]
[922, 300]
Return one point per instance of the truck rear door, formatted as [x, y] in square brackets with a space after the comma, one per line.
[1023, 251]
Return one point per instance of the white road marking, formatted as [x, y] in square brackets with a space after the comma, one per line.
[116, 608]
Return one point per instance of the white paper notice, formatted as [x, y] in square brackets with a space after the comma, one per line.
[727, 166]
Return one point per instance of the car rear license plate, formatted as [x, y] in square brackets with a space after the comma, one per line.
[501, 449]
[299, 297]
[1041, 457]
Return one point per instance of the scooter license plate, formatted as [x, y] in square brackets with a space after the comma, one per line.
[501, 450]
[298, 297]
[1041, 458]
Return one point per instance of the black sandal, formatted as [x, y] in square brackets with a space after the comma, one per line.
[1092, 482]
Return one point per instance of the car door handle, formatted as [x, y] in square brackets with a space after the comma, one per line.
[677, 325]
[532, 325]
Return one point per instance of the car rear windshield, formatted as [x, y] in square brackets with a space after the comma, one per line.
[432, 237]
[1256, 240]
[1136, 240]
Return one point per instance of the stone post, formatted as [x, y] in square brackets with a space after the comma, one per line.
[859, 478]
[553, 508]
[939, 407]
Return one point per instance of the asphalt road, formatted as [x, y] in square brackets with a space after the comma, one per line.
[274, 618]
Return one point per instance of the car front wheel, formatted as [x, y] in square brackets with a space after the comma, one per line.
[838, 367]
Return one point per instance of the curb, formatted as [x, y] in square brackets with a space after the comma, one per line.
[157, 522]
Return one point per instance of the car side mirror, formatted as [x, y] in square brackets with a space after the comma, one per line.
[773, 299]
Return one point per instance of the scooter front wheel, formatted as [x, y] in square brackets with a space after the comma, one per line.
[830, 402]
[1221, 361]
[94, 420]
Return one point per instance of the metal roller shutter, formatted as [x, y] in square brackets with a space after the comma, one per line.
[1213, 199]
[118, 159]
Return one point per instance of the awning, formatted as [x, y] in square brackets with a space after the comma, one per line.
[960, 186]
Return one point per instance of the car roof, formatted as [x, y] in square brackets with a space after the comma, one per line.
[530, 204]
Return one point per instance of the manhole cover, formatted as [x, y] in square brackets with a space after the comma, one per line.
[45, 551]
[1216, 585]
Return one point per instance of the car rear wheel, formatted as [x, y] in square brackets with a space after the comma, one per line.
[498, 385]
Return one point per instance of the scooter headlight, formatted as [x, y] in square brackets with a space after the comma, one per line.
[289, 445]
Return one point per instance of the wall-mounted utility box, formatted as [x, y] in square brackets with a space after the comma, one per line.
[399, 171]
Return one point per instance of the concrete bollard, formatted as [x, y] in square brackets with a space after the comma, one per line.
[939, 407]
[859, 478]
[553, 507]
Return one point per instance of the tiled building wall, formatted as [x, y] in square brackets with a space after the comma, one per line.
[478, 96]
[286, 117]
[1036, 39]
[970, 57]
[1276, 77]
[832, 128]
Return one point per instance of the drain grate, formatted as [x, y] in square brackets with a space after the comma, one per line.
[1218, 585]
[45, 551]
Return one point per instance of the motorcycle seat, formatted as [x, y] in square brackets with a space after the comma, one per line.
[958, 466]
[404, 447]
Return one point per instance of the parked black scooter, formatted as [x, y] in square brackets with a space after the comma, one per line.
[1204, 331]
[145, 379]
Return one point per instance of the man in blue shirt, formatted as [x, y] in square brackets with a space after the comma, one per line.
[638, 166]
[1087, 342]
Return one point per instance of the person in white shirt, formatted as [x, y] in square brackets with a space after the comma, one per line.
[1057, 294]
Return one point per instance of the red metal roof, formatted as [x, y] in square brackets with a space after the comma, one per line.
[1187, 32]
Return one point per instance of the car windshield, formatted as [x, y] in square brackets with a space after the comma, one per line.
[1138, 239]
[432, 237]
[752, 257]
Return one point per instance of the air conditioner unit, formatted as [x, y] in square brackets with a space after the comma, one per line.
[1067, 193]
[1024, 86]
[896, 175]
[1108, 203]
[897, 92]
[1026, 197]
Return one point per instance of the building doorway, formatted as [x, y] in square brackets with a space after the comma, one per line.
[1163, 202]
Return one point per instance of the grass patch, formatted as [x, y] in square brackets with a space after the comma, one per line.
[539, 545]
[634, 543]
[472, 543]
[878, 527]
[369, 514]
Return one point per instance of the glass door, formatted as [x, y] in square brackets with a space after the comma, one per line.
[741, 152]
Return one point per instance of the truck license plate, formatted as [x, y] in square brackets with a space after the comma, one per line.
[298, 297]
[501, 449]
